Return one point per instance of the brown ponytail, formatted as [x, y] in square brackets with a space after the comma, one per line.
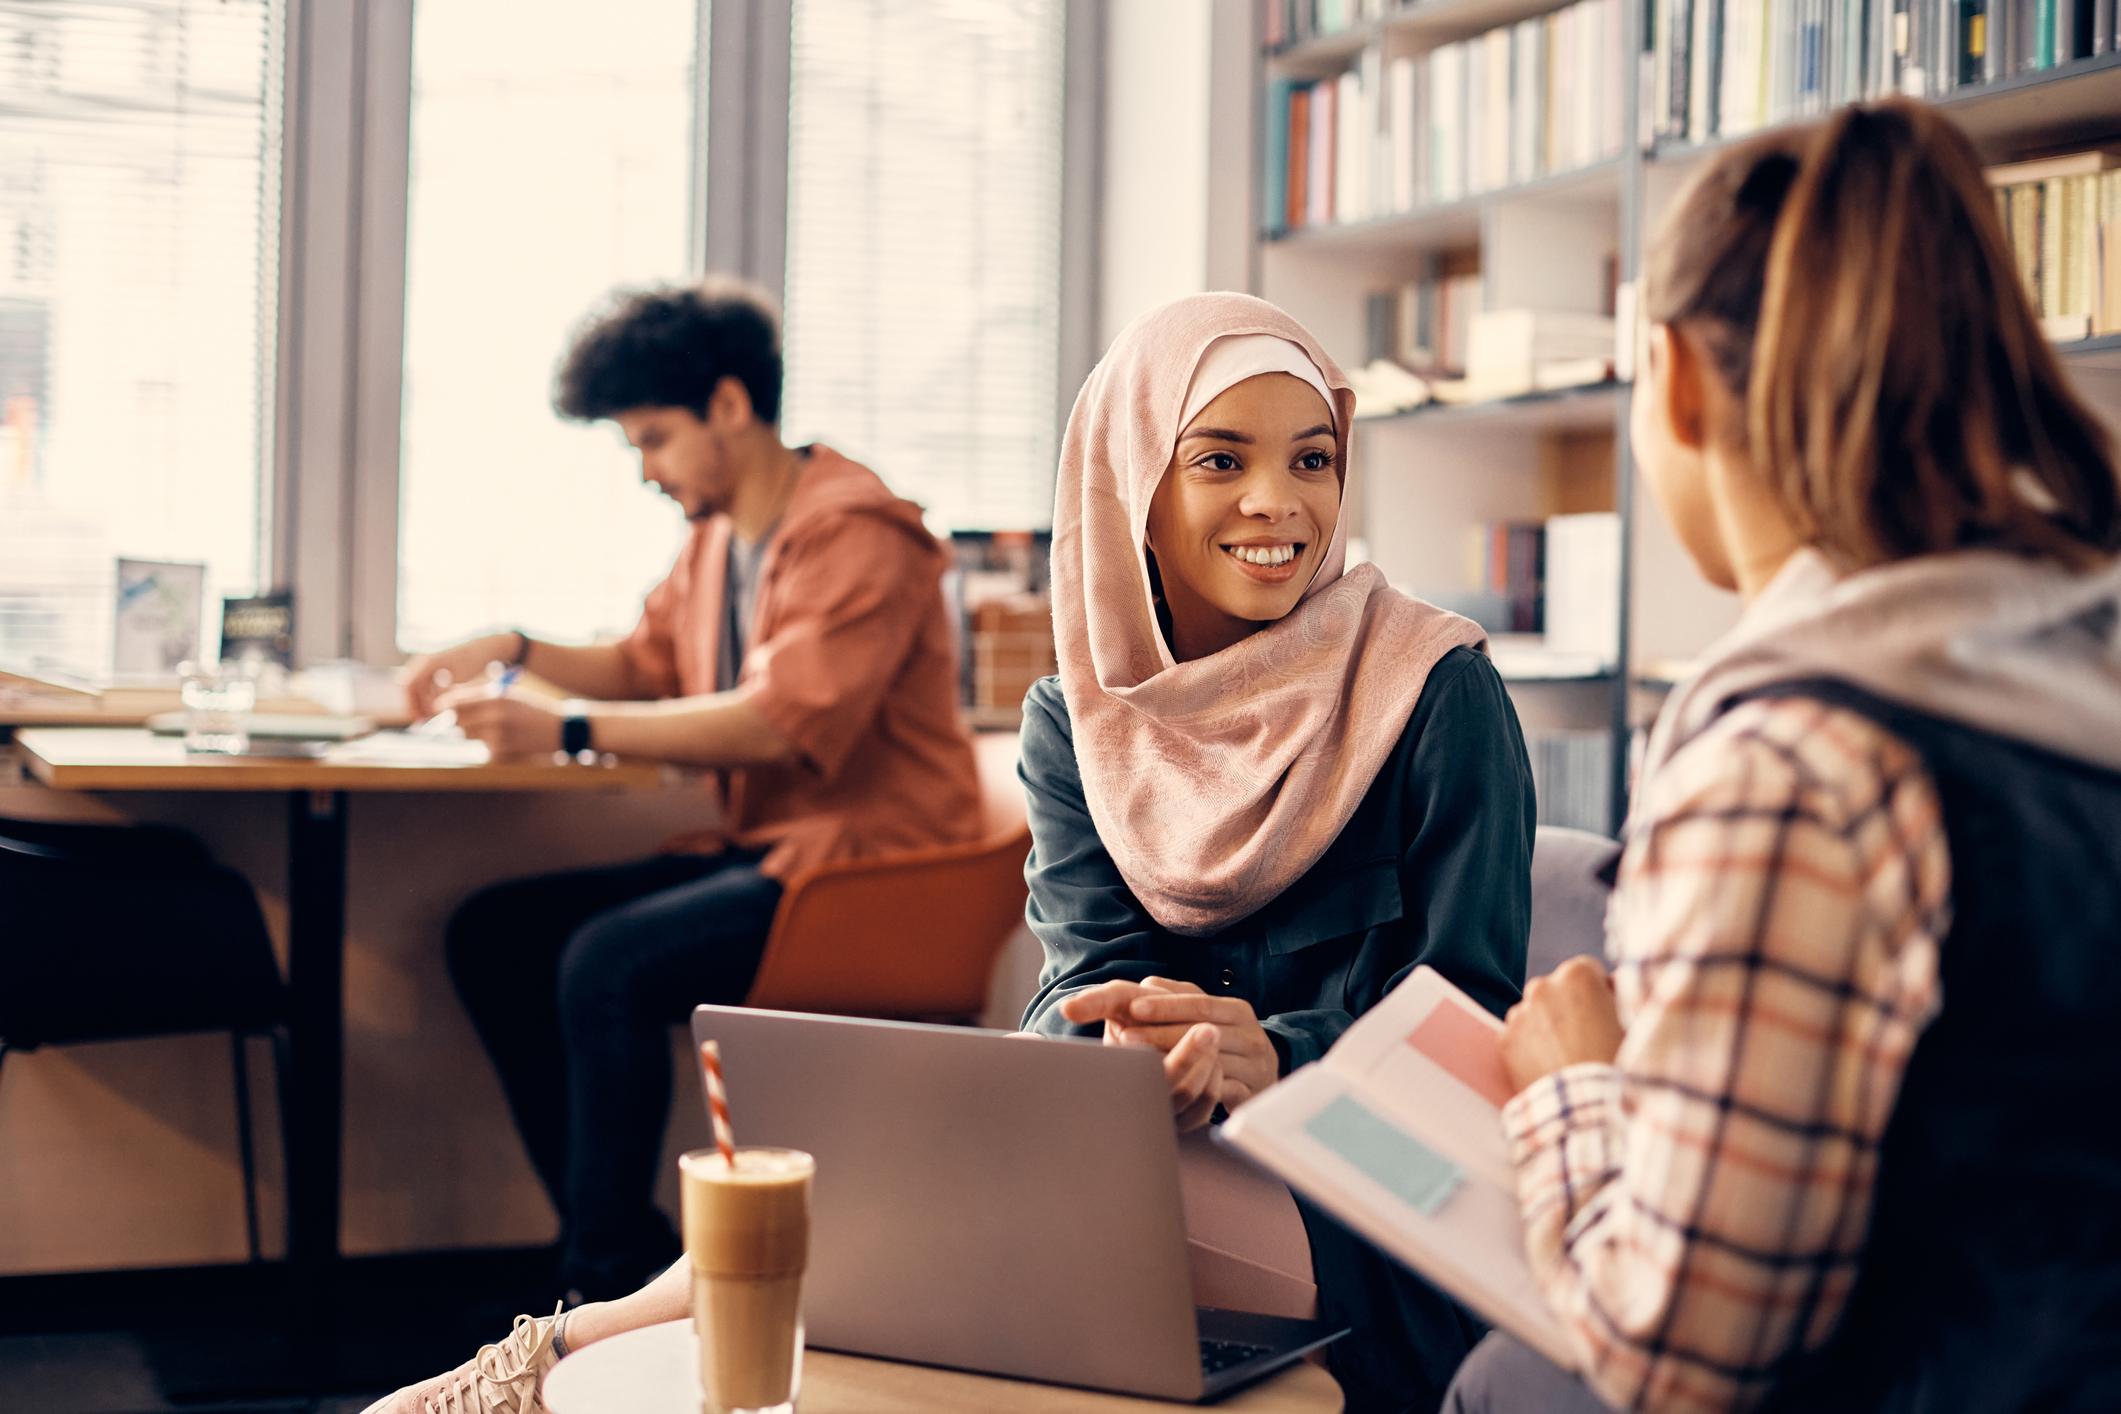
[1850, 283]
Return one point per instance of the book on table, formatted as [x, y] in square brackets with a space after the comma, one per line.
[1398, 1133]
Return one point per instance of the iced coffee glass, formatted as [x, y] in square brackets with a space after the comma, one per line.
[747, 1234]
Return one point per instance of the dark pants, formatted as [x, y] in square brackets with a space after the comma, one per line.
[1505, 1376]
[1405, 1337]
[574, 981]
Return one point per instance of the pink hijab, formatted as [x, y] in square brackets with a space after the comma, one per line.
[1216, 784]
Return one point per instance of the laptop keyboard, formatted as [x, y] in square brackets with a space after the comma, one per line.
[1217, 1356]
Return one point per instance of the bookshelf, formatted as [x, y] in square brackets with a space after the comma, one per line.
[2087, 355]
[1580, 409]
[1437, 474]
[1453, 223]
[1432, 22]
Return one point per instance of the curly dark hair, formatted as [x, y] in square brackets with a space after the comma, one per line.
[671, 346]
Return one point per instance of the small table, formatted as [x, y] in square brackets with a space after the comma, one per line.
[655, 1370]
[130, 759]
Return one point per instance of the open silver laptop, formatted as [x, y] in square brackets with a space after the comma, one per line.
[991, 1202]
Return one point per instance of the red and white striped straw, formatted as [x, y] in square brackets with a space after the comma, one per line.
[718, 1101]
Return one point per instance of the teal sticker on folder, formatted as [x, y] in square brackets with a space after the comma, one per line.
[1387, 1154]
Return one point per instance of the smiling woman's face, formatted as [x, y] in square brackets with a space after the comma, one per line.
[1244, 512]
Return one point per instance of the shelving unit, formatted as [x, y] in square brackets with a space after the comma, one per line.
[2103, 352]
[1454, 223]
[2071, 103]
[1431, 473]
[1580, 409]
[1430, 23]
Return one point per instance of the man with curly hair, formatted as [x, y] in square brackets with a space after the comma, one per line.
[800, 646]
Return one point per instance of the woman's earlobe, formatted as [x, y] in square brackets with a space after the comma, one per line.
[1685, 397]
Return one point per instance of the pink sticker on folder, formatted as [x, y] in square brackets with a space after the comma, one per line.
[1466, 1046]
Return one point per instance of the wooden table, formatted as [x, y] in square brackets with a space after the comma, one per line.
[130, 759]
[655, 1370]
[15, 714]
[52, 714]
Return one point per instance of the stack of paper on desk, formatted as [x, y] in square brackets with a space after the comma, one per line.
[408, 749]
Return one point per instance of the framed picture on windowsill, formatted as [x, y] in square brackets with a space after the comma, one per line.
[159, 617]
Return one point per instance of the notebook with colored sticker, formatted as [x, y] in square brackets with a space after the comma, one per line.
[1398, 1133]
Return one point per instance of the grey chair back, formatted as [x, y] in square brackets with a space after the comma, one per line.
[1568, 897]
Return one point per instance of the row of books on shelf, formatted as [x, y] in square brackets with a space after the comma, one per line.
[1435, 325]
[1283, 23]
[1426, 324]
[1572, 778]
[1547, 590]
[1429, 339]
[1401, 131]
[1558, 578]
[2062, 216]
[1550, 597]
[1725, 67]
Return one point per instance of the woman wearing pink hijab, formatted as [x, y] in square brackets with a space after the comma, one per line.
[1263, 787]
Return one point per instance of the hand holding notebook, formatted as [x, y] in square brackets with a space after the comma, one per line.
[1398, 1132]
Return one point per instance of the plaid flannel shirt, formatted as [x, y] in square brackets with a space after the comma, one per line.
[1696, 1210]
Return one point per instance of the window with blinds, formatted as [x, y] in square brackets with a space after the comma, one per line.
[552, 159]
[139, 232]
[923, 274]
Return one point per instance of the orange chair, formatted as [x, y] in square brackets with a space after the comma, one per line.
[911, 936]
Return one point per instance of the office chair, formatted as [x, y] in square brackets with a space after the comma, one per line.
[110, 934]
[911, 936]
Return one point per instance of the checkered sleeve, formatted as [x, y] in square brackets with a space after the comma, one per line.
[1696, 1210]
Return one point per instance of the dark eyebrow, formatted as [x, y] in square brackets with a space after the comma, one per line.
[1217, 434]
[1323, 429]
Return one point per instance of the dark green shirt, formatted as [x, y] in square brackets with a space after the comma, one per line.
[1434, 867]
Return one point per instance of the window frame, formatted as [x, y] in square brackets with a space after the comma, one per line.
[348, 97]
[347, 125]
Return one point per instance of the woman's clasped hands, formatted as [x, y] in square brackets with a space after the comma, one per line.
[1215, 1051]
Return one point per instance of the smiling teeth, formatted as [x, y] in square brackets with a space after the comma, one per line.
[1263, 554]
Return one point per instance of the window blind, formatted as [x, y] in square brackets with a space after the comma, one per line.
[923, 272]
[552, 160]
[139, 233]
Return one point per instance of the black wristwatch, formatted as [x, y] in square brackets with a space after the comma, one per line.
[574, 729]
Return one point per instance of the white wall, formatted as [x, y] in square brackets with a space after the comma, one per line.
[1153, 227]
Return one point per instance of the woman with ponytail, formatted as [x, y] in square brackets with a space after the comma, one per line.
[1832, 1135]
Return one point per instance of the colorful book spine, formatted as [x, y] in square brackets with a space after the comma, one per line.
[1274, 183]
[1299, 209]
[1319, 194]
[1973, 41]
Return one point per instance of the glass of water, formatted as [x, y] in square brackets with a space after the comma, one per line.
[218, 700]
